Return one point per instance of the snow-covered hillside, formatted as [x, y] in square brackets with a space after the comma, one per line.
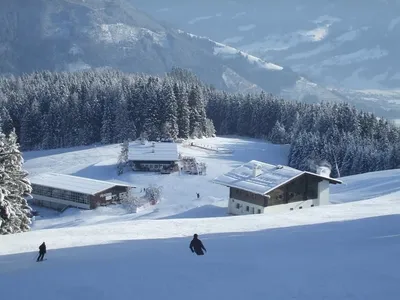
[179, 190]
[342, 251]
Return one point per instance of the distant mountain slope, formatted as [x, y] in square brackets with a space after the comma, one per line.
[70, 35]
[344, 43]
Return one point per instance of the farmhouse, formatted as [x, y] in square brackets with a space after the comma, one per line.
[153, 156]
[59, 191]
[255, 186]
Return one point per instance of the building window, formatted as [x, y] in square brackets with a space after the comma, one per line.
[247, 208]
[259, 211]
[237, 205]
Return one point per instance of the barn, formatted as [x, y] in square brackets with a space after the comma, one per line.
[256, 185]
[59, 191]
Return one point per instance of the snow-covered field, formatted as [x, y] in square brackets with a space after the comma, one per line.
[347, 250]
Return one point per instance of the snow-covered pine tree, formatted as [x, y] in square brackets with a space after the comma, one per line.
[278, 134]
[210, 129]
[6, 121]
[151, 125]
[31, 131]
[197, 111]
[14, 209]
[123, 157]
[107, 123]
[169, 126]
[183, 111]
[124, 127]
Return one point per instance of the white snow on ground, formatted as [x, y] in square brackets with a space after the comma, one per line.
[317, 34]
[230, 52]
[203, 18]
[239, 14]
[233, 40]
[276, 42]
[116, 33]
[246, 27]
[358, 56]
[179, 190]
[326, 19]
[393, 23]
[340, 251]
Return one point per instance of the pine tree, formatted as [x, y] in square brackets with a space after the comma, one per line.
[124, 128]
[123, 157]
[14, 209]
[107, 129]
[183, 111]
[278, 134]
[169, 129]
[197, 112]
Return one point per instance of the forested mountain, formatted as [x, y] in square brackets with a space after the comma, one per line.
[50, 110]
[350, 47]
[71, 35]
[348, 44]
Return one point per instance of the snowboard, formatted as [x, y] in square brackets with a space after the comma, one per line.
[41, 260]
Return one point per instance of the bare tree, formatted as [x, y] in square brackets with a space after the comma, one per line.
[131, 201]
[153, 193]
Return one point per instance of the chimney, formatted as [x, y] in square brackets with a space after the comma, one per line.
[323, 171]
[257, 170]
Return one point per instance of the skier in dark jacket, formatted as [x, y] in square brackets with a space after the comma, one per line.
[197, 246]
[42, 251]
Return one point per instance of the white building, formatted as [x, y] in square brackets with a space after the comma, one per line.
[59, 191]
[255, 186]
[153, 156]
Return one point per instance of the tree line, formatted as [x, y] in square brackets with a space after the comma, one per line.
[52, 110]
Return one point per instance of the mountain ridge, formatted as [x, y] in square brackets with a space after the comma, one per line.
[73, 35]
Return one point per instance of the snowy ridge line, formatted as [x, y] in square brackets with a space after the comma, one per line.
[175, 228]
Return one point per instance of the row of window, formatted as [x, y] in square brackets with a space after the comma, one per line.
[60, 194]
[238, 206]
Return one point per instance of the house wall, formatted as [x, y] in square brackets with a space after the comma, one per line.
[109, 196]
[248, 197]
[152, 166]
[323, 193]
[303, 191]
[57, 198]
[239, 207]
[55, 203]
[302, 188]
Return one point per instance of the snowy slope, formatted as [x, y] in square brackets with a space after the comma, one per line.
[179, 190]
[341, 251]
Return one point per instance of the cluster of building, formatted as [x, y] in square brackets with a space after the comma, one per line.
[253, 186]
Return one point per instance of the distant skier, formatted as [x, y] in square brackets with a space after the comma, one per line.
[42, 252]
[197, 246]
[198, 195]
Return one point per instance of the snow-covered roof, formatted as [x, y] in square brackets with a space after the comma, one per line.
[153, 151]
[73, 183]
[260, 178]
